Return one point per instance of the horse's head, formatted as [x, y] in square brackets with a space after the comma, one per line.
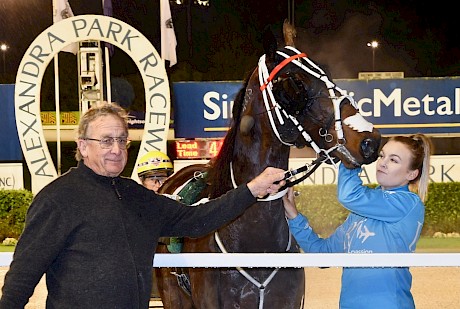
[305, 108]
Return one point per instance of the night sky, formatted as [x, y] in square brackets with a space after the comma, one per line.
[416, 38]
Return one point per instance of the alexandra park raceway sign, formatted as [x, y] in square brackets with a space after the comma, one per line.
[42, 51]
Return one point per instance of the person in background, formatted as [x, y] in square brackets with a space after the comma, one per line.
[94, 233]
[386, 219]
[153, 169]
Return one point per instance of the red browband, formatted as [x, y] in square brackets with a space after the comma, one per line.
[279, 67]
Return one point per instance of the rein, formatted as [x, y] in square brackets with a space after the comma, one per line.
[308, 169]
[276, 196]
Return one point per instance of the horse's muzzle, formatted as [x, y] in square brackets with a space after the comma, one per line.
[369, 149]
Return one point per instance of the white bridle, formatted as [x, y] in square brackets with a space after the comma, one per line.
[357, 122]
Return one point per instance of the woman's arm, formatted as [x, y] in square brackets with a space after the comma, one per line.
[386, 205]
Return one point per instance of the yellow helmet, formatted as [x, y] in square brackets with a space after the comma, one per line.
[154, 161]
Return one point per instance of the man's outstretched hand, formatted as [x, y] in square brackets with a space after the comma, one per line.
[267, 183]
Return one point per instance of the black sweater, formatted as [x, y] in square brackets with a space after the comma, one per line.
[95, 239]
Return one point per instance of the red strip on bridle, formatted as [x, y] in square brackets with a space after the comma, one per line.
[279, 67]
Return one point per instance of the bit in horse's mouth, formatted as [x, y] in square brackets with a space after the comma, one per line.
[344, 151]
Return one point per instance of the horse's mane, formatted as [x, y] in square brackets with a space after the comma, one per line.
[219, 173]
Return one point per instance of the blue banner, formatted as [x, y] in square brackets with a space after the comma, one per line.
[11, 148]
[395, 106]
[203, 109]
[410, 105]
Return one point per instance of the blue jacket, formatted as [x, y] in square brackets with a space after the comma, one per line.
[380, 221]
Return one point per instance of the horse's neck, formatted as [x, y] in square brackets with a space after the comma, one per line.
[250, 159]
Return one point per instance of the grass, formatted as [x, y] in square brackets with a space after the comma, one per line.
[4, 248]
[425, 245]
[429, 244]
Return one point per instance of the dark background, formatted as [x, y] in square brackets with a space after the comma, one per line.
[222, 41]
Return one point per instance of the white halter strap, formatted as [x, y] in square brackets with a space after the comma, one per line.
[267, 86]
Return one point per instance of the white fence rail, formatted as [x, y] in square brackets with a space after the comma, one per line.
[296, 260]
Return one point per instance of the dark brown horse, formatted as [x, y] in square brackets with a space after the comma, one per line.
[287, 101]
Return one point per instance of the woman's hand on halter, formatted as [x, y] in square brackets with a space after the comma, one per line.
[267, 183]
[289, 204]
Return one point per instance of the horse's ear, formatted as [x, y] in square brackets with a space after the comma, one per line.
[289, 33]
[270, 44]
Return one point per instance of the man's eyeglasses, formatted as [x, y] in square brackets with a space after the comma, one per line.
[107, 142]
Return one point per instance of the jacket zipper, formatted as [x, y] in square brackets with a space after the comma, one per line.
[114, 185]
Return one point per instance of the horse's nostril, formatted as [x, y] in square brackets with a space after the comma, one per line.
[368, 147]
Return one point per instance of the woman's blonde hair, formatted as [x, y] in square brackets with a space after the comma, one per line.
[421, 148]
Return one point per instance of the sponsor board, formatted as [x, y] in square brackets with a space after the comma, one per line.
[395, 106]
[442, 169]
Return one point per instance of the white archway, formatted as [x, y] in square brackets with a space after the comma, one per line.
[42, 51]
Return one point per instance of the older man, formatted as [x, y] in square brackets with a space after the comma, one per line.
[94, 233]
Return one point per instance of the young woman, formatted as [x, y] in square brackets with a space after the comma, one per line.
[387, 219]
